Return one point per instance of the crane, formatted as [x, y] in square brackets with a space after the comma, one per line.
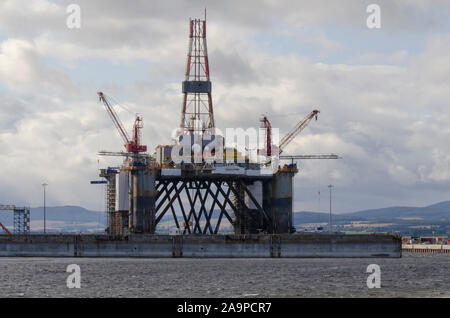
[289, 137]
[265, 123]
[297, 129]
[131, 145]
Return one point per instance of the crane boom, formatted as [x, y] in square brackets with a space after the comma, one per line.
[118, 154]
[298, 128]
[5, 229]
[115, 119]
[332, 156]
[4, 207]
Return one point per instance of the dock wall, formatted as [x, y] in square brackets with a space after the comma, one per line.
[214, 246]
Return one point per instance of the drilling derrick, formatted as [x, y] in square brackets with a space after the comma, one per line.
[197, 113]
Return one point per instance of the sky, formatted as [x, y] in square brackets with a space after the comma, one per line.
[383, 92]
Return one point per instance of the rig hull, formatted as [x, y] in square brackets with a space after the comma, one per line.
[205, 246]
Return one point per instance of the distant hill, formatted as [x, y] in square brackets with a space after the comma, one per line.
[407, 220]
[67, 213]
[61, 219]
[439, 210]
[436, 211]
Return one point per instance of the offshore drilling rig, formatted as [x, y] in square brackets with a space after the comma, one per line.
[197, 180]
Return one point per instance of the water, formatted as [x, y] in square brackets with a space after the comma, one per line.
[414, 275]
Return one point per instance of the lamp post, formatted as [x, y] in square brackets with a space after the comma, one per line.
[329, 223]
[43, 186]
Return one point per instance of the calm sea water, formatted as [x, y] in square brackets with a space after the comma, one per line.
[414, 275]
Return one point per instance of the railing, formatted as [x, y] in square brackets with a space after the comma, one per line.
[7, 207]
[420, 248]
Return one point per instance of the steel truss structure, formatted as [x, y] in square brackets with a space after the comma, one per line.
[21, 219]
[205, 204]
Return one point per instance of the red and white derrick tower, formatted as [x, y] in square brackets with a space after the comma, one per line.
[197, 115]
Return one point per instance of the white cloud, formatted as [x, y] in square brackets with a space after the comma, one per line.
[388, 120]
[22, 68]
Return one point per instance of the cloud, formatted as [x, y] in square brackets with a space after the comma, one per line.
[385, 113]
[151, 29]
[22, 68]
